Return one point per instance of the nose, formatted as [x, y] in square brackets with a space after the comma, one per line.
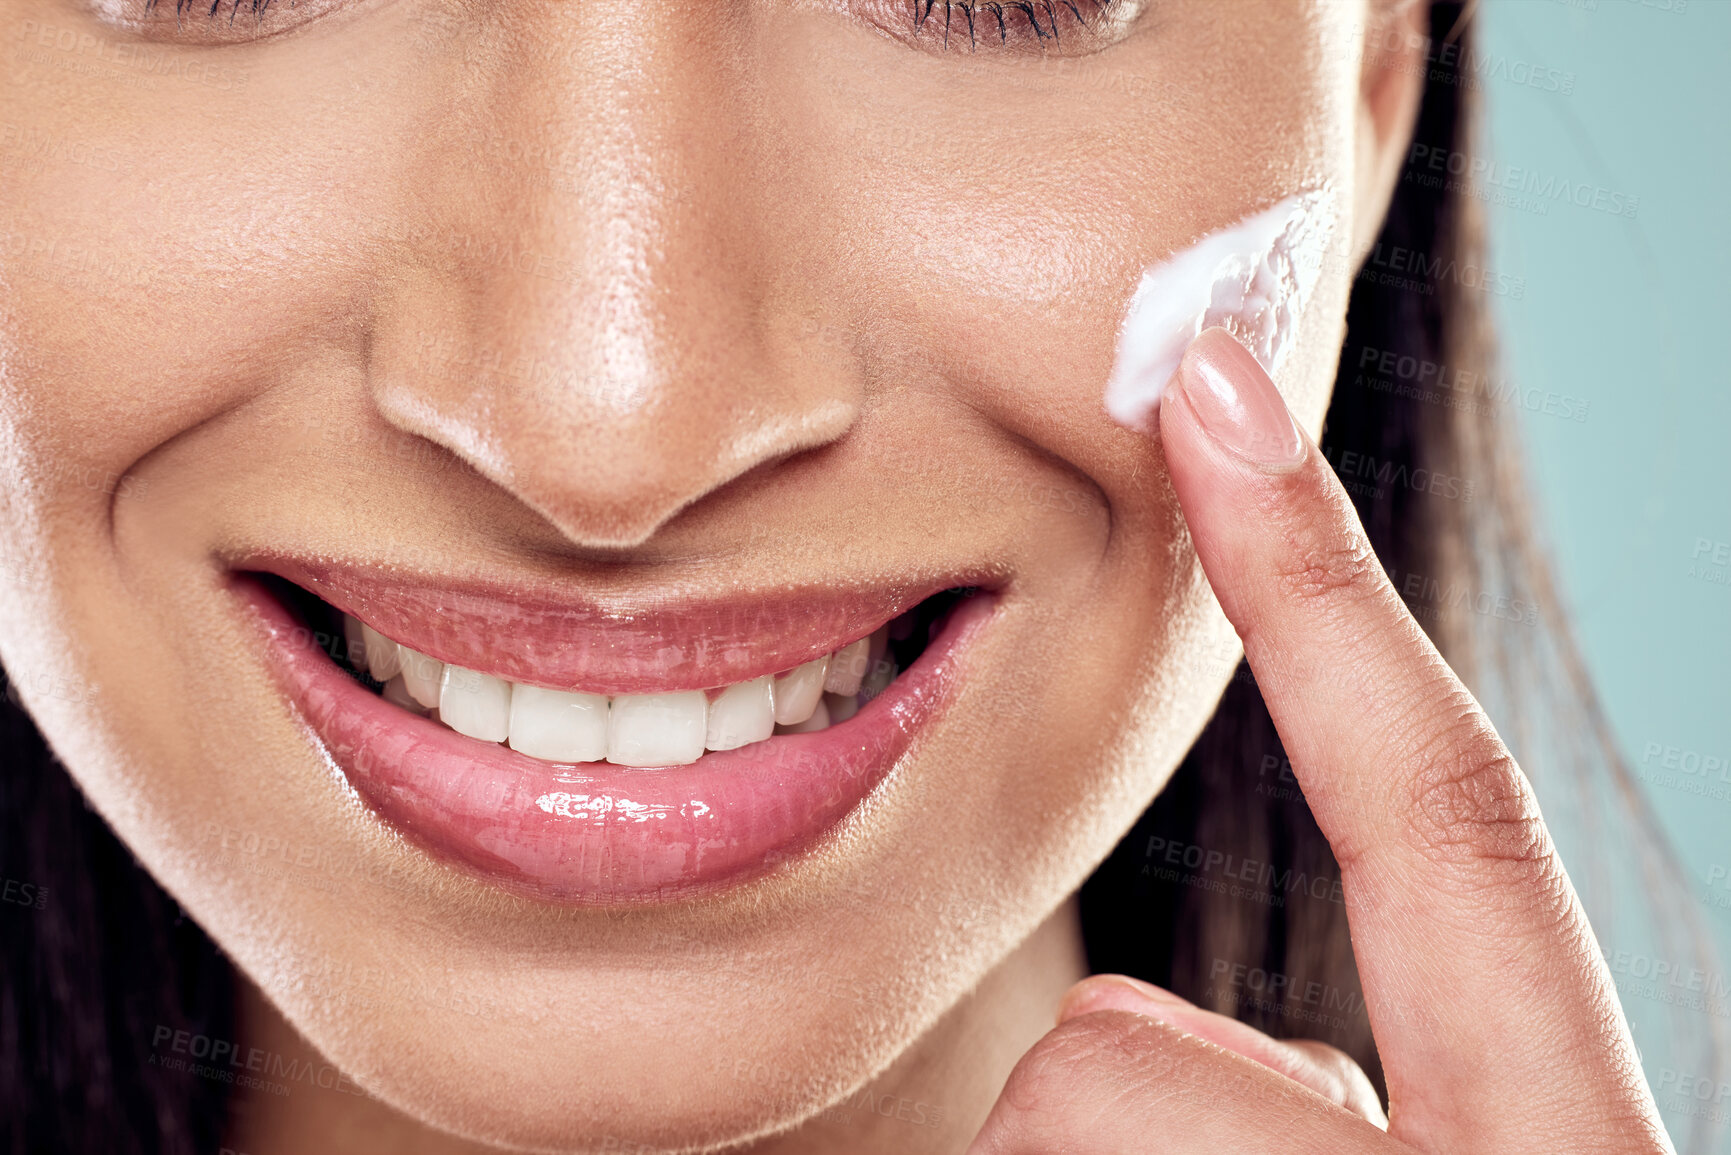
[598, 304]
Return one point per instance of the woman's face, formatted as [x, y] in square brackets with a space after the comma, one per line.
[728, 328]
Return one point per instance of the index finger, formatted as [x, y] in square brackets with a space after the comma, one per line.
[1494, 1015]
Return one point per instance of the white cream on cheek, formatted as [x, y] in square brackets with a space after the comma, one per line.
[1253, 278]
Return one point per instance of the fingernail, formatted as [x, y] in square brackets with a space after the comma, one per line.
[1237, 404]
[1116, 993]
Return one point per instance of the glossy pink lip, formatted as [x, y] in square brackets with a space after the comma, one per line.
[549, 636]
[599, 834]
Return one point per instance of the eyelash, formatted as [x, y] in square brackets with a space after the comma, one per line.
[255, 8]
[1005, 16]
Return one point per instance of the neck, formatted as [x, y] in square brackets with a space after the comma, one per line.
[930, 1101]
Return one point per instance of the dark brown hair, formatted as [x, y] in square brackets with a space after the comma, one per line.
[92, 972]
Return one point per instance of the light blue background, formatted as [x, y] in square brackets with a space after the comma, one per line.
[1635, 316]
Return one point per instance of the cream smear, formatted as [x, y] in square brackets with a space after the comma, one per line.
[1253, 278]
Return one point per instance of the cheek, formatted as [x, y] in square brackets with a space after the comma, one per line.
[989, 232]
[992, 219]
[170, 254]
[182, 240]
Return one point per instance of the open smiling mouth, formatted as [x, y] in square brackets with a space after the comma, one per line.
[587, 756]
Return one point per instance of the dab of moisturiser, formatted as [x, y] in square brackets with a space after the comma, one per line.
[1253, 278]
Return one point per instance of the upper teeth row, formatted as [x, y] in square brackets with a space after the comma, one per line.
[630, 729]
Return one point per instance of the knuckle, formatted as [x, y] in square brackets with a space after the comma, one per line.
[1344, 1081]
[1328, 1057]
[1082, 1055]
[1471, 807]
[1049, 1072]
[1329, 565]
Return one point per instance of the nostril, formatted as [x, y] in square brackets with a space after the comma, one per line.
[526, 388]
[771, 441]
[616, 491]
[619, 520]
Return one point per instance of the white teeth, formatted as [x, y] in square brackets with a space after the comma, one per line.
[475, 704]
[657, 729]
[353, 635]
[670, 729]
[848, 665]
[876, 682]
[818, 720]
[369, 648]
[558, 726]
[421, 676]
[384, 659]
[799, 692]
[397, 694]
[880, 671]
[742, 714]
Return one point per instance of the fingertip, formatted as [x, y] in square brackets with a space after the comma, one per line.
[1116, 993]
[1235, 402]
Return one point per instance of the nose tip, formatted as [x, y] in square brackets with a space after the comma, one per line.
[637, 485]
[609, 444]
[612, 483]
[613, 346]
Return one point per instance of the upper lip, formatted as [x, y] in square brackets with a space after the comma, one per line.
[546, 632]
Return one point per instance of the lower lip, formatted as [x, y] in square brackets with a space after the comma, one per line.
[597, 834]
